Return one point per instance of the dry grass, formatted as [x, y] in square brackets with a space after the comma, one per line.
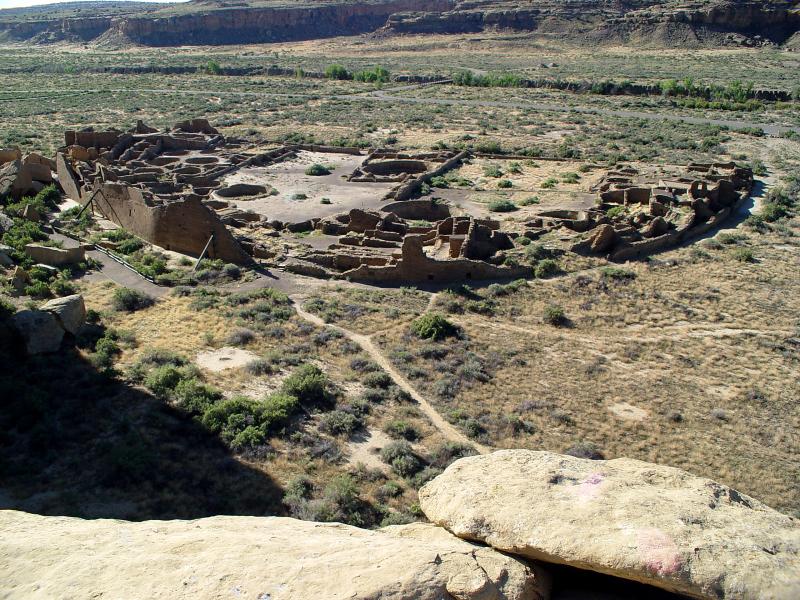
[690, 364]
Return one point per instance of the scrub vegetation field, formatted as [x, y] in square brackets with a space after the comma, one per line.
[335, 401]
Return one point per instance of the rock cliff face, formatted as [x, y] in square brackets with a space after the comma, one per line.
[268, 24]
[661, 23]
[651, 22]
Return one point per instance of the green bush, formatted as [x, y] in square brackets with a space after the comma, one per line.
[615, 211]
[401, 457]
[233, 416]
[374, 75]
[433, 326]
[317, 170]
[547, 268]
[195, 397]
[308, 384]
[530, 200]
[377, 379]
[554, 315]
[7, 308]
[502, 206]
[617, 274]
[163, 380]
[744, 255]
[493, 171]
[337, 72]
[549, 183]
[340, 422]
[505, 184]
[128, 300]
[402, 429]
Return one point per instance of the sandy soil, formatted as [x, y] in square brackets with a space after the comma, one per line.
[289, 179]
[224, 358]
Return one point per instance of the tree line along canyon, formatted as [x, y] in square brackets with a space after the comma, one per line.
[408, 299]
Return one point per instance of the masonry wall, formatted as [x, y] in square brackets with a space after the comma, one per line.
[183, 226]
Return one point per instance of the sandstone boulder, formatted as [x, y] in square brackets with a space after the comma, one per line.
[70, 311]
[6, 222]
[39, 330]
[602, 239]
[68, 178]
[245, 557]
[5, 255]
[9, 155]
[55, 257]
[655, 228]
[630, 519]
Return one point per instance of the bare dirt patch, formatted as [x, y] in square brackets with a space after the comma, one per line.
[224, 358]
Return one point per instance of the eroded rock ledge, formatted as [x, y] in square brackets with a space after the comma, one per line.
[627, 518]
[249, 557]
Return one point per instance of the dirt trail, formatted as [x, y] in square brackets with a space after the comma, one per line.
[369, 347]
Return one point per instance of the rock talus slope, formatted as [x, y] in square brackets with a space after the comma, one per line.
[248, 558]
[630, 519]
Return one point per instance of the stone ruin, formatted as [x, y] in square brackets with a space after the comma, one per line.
[167, 187]
[22, 175]
[153, 183]
[380, 246]
[637, 214]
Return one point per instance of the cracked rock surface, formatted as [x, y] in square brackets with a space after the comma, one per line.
[630, 519]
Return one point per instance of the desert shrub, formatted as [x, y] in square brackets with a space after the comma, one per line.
[62, 287]
[432, 326]
[230, 417]
[554, 315]
[549, 183]
[325, 201]
[375, 75]
[340, 422]
[402, 429]
[377, 379]
[493, 171]
[448, 452]
[7, 308]
[38, 290]
[570, 177]
[390, 489]
[163, 380]
[401, 457]
[617, 274]
[585, 450]
[505, 184]
[195, 397]
[337, 72]
[730, 239]
[317, 170]
[546, 268]
[424, 476]
[374, 395]
[364, 365]
[241, 336]
[530, 200]
[259, 366]
[308, 384]
[128, 300]
[743, 255]
[502, 206]
[537, 252]
[615, 211]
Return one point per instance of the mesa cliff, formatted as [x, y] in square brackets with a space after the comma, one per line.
[642, 22]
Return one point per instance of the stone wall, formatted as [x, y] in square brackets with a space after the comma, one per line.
[182, 225]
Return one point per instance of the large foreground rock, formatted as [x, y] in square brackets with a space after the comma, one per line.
[627, 518]
[40, 331]
[244, 557]
[70, 311]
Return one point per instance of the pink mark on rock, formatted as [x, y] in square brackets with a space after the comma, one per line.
[658, 551]
[589, 488]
